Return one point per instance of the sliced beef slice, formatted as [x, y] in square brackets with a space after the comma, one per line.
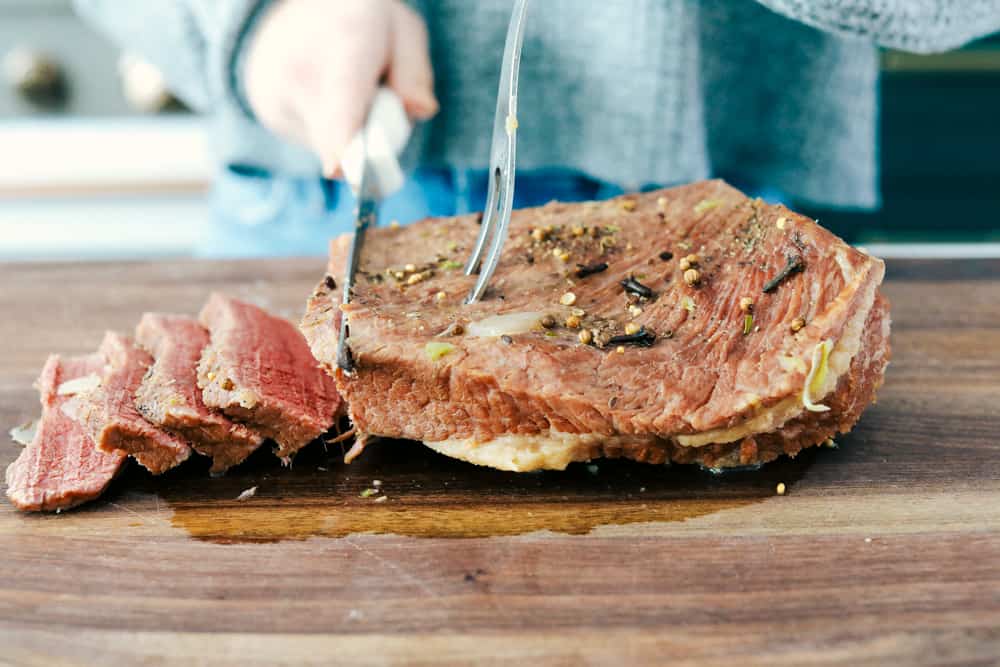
[169, 395]
[61, 467]
[718, 384]
[109, 414]
[258, 369]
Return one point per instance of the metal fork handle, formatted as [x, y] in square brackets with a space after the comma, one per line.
[503, 153]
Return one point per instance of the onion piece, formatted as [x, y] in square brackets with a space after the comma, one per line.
[817, 376]
[79, 385]
[507, 324]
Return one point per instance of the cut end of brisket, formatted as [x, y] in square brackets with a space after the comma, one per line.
[719, 330]
[109, 414]
[61, 467]
[169, 395]
[258, 369]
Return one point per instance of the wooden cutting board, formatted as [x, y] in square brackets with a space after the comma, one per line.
[885, 550]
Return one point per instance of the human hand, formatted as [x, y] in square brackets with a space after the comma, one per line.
[313, 68]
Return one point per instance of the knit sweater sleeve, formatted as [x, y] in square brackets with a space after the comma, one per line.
[920, 26]
[196, 44]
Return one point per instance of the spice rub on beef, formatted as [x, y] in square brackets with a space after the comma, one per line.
[258, 369]
[691, 324]
[109, 414]
[169, 395]
[61, 467]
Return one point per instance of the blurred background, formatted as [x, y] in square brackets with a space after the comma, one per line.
[93, 142]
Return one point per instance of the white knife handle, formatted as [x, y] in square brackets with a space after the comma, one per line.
[388, 129]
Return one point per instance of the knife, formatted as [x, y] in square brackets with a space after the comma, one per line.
[371, 168]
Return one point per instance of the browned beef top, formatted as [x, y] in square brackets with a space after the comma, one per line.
[708, 367]
[110, 414]
[258, 369]
[61, 467]
[169, 395]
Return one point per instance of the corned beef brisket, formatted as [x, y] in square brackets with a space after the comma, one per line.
[150, 403]
[169, 395]
[258, 369]
[109, 414]
[691, 324]
[61, 467]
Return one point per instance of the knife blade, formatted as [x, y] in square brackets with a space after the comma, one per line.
[371, 167]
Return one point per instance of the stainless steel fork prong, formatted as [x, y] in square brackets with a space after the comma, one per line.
[503, 153]
[488, 223]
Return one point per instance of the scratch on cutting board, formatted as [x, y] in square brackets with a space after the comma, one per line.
[402, 573]
[126, 509]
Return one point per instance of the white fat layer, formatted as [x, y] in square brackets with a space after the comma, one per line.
[844, 262]
[25, 433]
[79, 385]
[791, 364]
[553, 450]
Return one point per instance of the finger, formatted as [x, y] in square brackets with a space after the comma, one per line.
[286, 121]
[411, 74]
[337, 113]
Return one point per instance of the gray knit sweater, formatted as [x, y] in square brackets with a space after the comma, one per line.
[779, 92]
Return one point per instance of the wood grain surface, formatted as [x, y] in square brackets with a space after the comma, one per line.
[883, 551]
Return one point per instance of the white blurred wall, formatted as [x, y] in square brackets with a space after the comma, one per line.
[86, 188]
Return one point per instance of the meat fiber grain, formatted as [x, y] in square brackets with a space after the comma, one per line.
[61, 467]
[258, 370]
[169, 395]
[109, 414]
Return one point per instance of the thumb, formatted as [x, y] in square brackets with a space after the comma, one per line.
[411, 74]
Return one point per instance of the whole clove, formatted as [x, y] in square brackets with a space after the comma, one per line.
[794, 265]
[584, 270]
[633, 286]
[642, 338]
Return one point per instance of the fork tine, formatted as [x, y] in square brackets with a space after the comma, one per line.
[501, 216]
[500, 195]
[488, 223]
